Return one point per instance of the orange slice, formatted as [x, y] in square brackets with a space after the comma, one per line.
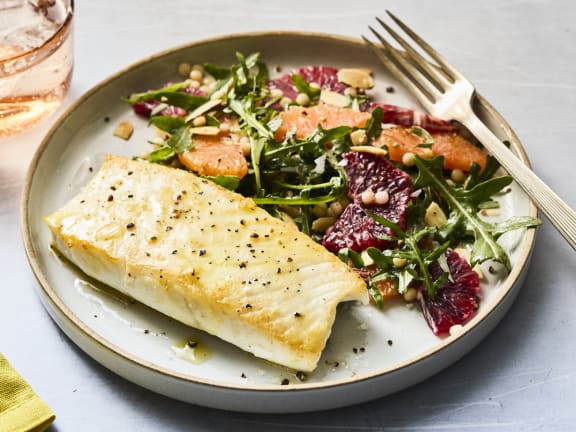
[458, 152]
[304, 120]
[213, 155]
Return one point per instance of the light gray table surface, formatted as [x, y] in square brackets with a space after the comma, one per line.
[521, 54]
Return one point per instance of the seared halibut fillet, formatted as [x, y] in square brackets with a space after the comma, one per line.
[207, 257]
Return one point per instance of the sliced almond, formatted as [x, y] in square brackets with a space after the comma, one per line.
[358, 78]
[321, 224]
[369, 149]
[366, 258]
[333, 98]
[434, 215]
[463, 252]
[359, 137]
[124, 130]
[204, 108]
[205, 130]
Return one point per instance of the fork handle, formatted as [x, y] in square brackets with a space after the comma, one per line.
[558, 212]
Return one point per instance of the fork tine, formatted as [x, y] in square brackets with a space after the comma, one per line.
[400, 74]
[423, 85]
[448, 69]
[433, 74]
[393, 67]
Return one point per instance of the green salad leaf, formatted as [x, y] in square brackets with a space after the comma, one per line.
[171, 95]
[179, 141]
[463, 204]
[296, 174]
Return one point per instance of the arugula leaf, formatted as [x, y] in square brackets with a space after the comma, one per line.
[162, 154]
[167, 123]
[229, 182]
[181, 139]
[464, 204]
[418, 259]
[248, 75]
[256, 149]
[349, 255]
[374, 124]
[304, 87]
[423, 133]
[244, 111]
[179, 142]
[148, 95]
[375, 294]
[307, 166]
[171, 95]
[218, 72]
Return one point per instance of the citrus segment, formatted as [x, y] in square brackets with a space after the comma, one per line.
[304, 120]
[213, 155]
[458, 152]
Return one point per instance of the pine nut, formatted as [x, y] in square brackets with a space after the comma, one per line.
[408, 159]
[381, 197]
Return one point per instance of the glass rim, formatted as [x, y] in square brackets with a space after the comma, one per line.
[56, 36]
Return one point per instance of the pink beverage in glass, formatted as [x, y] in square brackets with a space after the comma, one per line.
[36, 58]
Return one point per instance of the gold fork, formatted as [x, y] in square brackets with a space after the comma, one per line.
[446, 93]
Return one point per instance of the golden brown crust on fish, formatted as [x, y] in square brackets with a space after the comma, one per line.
[207, 257]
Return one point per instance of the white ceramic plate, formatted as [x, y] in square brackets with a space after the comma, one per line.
[370, 353]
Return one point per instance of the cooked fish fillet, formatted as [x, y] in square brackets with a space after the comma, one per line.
[207, 257]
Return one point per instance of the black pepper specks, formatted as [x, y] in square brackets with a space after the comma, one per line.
[202, 252]
[130, 225]
[301, 376]
[285, 381]
[297, 315]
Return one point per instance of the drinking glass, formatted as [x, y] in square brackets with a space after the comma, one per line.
[36, 58]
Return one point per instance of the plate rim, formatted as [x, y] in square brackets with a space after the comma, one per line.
[49, 294]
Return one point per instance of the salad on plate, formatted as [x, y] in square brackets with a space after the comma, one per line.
[410, 202]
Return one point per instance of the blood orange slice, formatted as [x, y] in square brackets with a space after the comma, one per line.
[457, 301]
[401, 116]
[325, 77]
[355, 229]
